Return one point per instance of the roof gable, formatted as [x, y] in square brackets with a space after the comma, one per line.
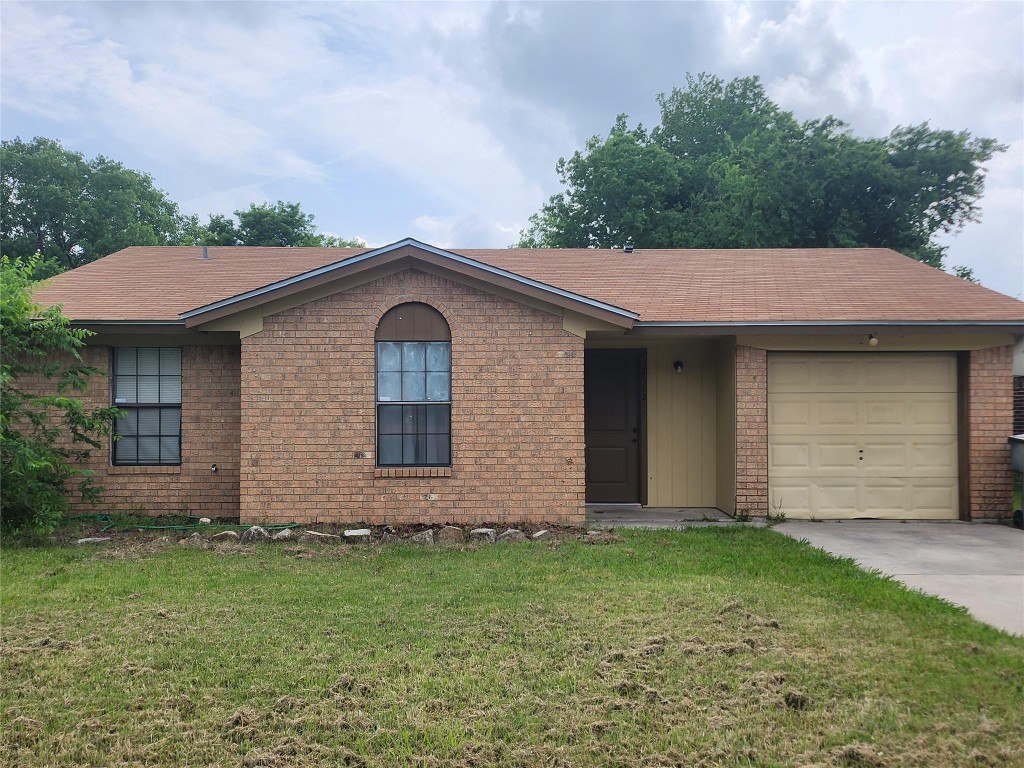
[412, 252]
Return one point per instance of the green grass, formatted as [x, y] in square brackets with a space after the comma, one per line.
[699, 648]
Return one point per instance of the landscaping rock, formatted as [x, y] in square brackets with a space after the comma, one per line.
[205, 521]
[423, 537]
[451, 534]
[94, 540]
[195, 540]
[315, 537]
[483, 534]
[512, 535]
[255, 535]
[225, 536]
[539, 535]
[162, 540]
[359, 535]
[283, 535]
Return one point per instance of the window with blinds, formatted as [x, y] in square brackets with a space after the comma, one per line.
[147, 389]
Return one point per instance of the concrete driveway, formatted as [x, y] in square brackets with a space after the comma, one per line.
[979, 566]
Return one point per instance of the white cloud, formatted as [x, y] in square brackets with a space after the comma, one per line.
[444, 120]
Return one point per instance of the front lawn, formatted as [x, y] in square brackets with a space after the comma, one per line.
[705, 647]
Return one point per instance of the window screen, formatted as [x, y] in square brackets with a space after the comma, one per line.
[147, 388]
[414, 374]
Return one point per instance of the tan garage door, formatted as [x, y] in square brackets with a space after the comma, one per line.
[862, 435]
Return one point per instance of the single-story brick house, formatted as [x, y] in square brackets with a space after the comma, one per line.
[410, 383]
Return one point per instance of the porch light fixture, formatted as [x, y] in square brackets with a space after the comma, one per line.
[678, 365]
[872, 339]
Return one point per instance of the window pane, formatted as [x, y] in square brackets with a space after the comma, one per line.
[126, 449]
[124, 390]
[389, 420]
[149, 421]
[414, 449]
[412, 419]
[437, 449]
[390, 447]
[413, 386]
[124, 361]
[170, 421]
[413, 356]
[437, 419]
[127, 424]
[149, 361]
[439, 356]
[149, 389]
[169, 450]
[170, 389]
[437, 386]
[170, 362]
[389, 356]
[389, 385]
[149, 450]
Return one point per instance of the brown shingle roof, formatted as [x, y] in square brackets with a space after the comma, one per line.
[798, 285]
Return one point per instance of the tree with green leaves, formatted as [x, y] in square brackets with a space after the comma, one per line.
[728, 168]
[43, 436]
[71, 210]
[278, 224]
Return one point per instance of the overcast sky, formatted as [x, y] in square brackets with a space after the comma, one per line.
[444, 121]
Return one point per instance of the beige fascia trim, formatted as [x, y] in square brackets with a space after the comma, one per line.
[889, 340]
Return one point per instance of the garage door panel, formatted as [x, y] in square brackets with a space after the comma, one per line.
[862, 414]
[824, 498]
[793, 413]
[884, 497]
[834, 414]
[934, 457]
[888, 457]
[932, 501]
[834, 457]
[863, 435]
[873, 372]
[791, 496]
[794, 456]
[835, 498]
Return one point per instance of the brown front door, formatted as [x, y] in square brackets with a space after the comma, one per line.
[612, 393]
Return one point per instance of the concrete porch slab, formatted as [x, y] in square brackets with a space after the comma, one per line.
[635, 516]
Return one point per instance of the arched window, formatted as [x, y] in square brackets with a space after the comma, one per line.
[414, 388]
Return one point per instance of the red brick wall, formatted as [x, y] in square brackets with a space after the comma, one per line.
[751, 431]
[308, 421]
[989, 423]
[210, 435]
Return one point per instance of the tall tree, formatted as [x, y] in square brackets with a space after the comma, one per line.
[728, 168]
[72, 210]
[278, 224]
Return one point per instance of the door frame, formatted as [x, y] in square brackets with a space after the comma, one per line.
[641, 396]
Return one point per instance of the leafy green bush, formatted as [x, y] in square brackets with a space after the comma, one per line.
[43, 431]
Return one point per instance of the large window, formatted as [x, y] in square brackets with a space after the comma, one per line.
[147, 389]
[414, 388]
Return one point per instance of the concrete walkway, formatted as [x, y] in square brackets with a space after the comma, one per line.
[977, 565]
[635, 516]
